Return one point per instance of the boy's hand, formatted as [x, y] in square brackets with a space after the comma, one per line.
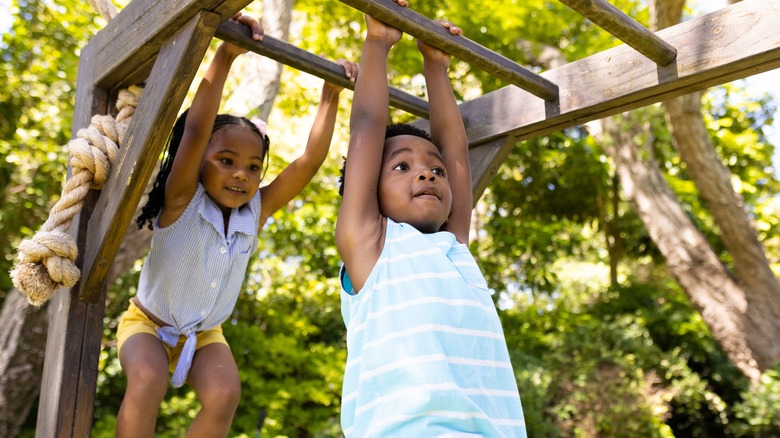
[350, 71]
[255, 26]
[432, 54]
[380, 31]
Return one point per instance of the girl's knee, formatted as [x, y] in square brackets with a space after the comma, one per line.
[221, 394]
[148, 379]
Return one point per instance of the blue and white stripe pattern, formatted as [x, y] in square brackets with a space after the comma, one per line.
[426, 352]
[194, 271]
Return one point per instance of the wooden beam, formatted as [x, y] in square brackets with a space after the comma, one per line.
[170, 79]
[735, 42]
[302, 60]
[461, 47]
[74, 334]
[486, 160]
[625, 28]
[126, 48]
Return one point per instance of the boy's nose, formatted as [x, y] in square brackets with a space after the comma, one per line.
[427, 174]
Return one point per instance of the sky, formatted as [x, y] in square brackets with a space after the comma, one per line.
[768, 82]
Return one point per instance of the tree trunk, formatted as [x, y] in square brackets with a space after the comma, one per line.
[22, 341]
[689, 258]
[761, 288]
[761, 317]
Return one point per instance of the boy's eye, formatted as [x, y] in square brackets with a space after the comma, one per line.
[438, 171]
[401, 166]
[254, 168]
[227, 161]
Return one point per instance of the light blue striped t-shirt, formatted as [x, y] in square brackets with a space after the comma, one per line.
[426, 351]
[194, 271]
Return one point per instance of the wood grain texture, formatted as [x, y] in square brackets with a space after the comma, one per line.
[625, 28]
[125, 50]
[461, 47]
[732, 43]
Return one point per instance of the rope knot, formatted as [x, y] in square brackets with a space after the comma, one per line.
[46, 261]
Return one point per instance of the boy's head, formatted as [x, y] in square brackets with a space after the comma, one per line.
[413, 185]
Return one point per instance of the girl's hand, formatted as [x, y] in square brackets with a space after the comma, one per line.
[350, 71]
[432, 54]
[255, 26]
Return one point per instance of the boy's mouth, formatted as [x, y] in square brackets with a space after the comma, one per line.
[236, 189]
[428, 191]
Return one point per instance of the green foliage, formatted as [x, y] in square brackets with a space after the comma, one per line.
[759, 409]
[623, 362]
[592, 358]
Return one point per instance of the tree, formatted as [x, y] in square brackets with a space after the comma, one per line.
[741, 308]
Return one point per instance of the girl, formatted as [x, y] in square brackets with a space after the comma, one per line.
[207, 208]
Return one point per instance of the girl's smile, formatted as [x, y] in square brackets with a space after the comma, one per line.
[232, 166]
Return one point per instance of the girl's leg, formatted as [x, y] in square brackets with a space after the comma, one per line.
[214, 376]
[145, 363]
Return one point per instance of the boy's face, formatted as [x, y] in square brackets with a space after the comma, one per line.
[413, 186]
[232, 166]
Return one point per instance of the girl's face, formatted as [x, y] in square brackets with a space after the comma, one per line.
[413, 185]
[232, 166]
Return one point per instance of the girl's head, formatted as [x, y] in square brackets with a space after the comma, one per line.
[231, 169]
[413, 185]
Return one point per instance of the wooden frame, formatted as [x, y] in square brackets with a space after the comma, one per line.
[163, 43]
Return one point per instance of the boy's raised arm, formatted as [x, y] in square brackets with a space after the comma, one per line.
[360, 226]
[449, 133]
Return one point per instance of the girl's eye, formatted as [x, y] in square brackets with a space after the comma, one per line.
[227, 161]
[438, 171]
[401, 166]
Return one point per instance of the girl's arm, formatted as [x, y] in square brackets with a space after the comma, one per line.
[360, 226]
[449, 133]
[297, 174]
[185, 170]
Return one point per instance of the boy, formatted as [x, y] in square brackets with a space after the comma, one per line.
[426, 352]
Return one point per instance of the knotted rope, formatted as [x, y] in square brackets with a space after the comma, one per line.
[46, 261]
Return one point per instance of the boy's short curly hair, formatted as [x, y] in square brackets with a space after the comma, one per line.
[393, 130]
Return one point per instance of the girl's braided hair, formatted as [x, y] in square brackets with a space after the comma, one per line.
[393, 130]
[156, 200]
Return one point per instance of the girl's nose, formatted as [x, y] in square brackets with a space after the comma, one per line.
[240, 175]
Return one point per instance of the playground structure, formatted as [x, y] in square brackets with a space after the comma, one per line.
[163, 43]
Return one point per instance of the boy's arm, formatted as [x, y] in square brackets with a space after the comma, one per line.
[297, 174]
[185, 171]
[449, 133]
[360, 225]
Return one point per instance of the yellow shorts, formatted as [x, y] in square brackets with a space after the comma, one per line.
[135, 321]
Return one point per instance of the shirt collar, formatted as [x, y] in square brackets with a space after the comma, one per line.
[242, 219]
